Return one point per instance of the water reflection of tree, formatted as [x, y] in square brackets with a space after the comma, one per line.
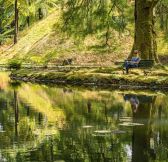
[79, 144]
[142, 138]
[76, 143]
[16, 109]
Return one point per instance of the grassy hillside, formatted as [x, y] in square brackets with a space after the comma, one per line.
[29, 39]
[43, 42]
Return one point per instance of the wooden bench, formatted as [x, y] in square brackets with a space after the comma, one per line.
[143, 64]
[146, 64]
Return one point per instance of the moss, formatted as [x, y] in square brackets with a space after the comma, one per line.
[110, 70]
[92, 77]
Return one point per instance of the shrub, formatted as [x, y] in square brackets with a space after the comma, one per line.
[15, 84]
[14, 64]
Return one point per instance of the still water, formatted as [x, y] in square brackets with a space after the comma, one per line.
[64, 124]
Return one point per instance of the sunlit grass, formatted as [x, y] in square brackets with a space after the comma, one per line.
[37, 32]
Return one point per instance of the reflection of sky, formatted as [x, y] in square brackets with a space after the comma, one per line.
[1, 128]
[128, 150]
[2, 159]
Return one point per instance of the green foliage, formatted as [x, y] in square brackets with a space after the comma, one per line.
[81, 18]
[106, 26]
[162, 12]
[14, 64]
[28, 14]
[15, 84]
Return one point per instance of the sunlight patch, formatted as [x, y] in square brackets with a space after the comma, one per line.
[130, 124]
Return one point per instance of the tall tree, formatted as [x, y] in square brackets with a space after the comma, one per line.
[145, 35]
[1, 18]
[28, 16]
[16, 22]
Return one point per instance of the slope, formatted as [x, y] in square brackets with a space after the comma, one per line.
[44, 42]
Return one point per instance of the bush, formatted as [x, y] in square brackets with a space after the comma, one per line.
[15, 84]
[14, 64]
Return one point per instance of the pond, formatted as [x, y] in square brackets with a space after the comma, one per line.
[71, 124]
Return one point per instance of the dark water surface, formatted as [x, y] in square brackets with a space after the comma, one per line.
[59, 124]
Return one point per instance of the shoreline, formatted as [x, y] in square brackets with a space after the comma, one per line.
[93, 79]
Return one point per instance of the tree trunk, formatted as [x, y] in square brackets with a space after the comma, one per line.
[166, 24]
[28, 21]
[1, 19]
[145, 36]
[40, 13]
[1, 32]
[28, 17]
[16, 22]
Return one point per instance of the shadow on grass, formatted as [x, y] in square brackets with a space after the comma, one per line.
[101, 48]
[164, 59]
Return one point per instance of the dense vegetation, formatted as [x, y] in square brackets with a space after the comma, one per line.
[102, 19]
[16, 15]
[47, 123]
